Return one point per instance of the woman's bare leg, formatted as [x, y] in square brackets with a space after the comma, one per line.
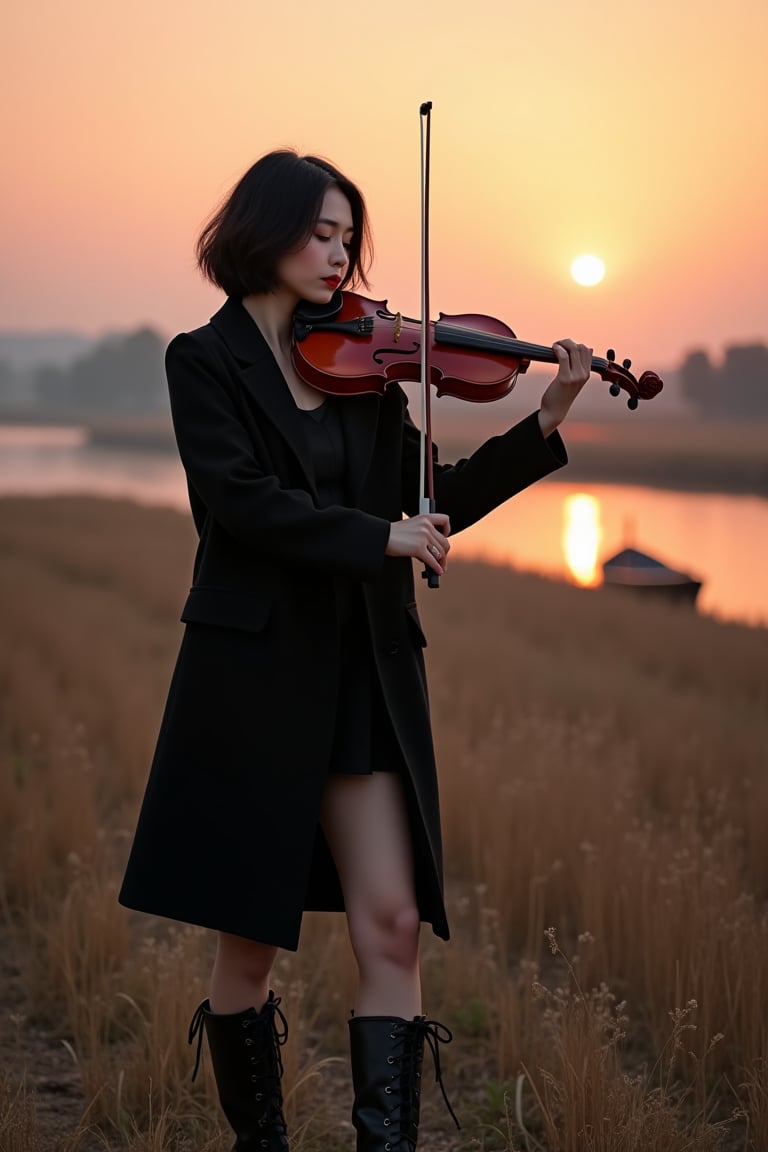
[365, 822]
[240, 977]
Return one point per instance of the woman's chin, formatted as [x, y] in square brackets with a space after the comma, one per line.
[320, 294]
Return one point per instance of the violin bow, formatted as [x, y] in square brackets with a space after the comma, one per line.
[426, 473]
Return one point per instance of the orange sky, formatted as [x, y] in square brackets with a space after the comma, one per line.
[632, 130]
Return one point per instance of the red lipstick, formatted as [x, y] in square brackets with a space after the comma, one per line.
[333, 281]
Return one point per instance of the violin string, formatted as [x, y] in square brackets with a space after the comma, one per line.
[469, 338]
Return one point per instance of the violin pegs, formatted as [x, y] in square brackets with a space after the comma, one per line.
[610, 355]
[614, 389]
[632, 403]
[626, 364]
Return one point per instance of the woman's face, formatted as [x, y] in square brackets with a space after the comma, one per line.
[315, 271]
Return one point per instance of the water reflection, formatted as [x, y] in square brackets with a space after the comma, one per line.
[554, 528]
[722, 540]
[582, 537]
[31, 436]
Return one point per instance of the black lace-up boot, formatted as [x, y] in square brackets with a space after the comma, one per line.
[387, 1054]
[245, 1052]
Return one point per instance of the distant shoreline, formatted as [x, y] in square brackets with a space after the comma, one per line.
[688, 456]
[681, 455]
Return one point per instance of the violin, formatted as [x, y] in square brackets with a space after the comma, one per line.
[354, 345]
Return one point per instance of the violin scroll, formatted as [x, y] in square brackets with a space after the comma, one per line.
[621, 379]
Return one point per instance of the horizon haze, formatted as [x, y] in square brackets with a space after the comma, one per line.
[610, 131]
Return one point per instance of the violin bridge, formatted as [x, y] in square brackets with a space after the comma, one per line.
[398, 327]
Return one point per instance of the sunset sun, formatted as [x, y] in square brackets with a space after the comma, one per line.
[587, 270]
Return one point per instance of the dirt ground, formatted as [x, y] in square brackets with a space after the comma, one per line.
[37, 1057]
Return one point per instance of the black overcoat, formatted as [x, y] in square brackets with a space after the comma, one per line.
[228, 833]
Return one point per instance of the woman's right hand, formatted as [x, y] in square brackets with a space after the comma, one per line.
[423, 537]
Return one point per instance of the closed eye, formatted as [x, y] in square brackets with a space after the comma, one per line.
[346, 244]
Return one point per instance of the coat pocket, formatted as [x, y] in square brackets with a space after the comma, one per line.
[412, 615]
[227, 609]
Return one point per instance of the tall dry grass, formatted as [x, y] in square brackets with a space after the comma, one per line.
[604, 790]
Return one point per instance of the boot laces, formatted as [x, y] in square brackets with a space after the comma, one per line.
[278, 1034]
[406, 1084]
[196, 1030]
[273, 1113]
[271, 1009]
[436, 1034]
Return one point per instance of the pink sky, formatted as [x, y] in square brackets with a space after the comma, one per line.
[633, 131]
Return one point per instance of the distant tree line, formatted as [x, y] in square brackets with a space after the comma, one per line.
[737, 388]
[126, 374]
[120, 374]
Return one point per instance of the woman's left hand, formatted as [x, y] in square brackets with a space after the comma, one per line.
[575, 361]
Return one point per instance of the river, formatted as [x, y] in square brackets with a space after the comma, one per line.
[557, 528]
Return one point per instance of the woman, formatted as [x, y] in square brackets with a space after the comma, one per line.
[294, 767]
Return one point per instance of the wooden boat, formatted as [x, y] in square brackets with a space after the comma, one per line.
[640, 572]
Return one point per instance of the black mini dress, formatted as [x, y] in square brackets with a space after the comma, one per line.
[364, 739]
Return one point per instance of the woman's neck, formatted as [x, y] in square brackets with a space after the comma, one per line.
[273, 313]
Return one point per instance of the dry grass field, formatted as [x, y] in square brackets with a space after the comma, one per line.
[605, 789]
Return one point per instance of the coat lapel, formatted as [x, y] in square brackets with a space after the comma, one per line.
[263, 381]
[266, 386]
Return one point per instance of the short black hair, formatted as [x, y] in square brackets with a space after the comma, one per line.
[270, 212]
